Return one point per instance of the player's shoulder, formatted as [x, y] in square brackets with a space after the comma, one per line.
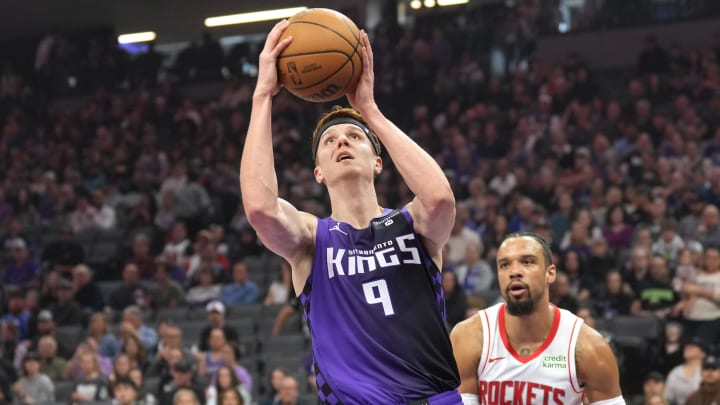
[472, 326]
[591, 348]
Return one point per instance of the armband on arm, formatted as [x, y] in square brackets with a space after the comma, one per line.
[470, 399]
[612, 401]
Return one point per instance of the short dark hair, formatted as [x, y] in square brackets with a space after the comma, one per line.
[547, 252]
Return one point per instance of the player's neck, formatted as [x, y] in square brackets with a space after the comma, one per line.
[355, 203]
[530, 329]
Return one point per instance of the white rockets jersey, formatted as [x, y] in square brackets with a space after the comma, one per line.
[546, 377]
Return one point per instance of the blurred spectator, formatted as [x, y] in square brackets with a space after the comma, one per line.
[63, 253]
[685, 378]
[561, 295]
[700, 301]
[166, 292]
[210, 360]
[17, 314]
[230, 355]
[125, 392]
[99, 330]
[709, 391]
[184, 396]
[22, 270]
[277, 375]
[66, 311]
[618, 232]
[656, 294]
[652, 58]
[75, 370]
[281, 287]
[121, 368]
[141, 257]
[178, 242]
[144, 397]
[455, 299]
[230, 397]
[183, 378]
[86, 291]
[92, 213]
[50, 363]
[638, 268]
[34, 387]
[670, 243]
[288, 392]
[135, 352]
[670, 353]
[242, 290]
[653, 385]
[206, 290]
[474, 274]
[601, 261]
[709, 228]
[612, 301]
[131, 292]
[460, 236]
[93, 386]
[132, 324]
[216, 319]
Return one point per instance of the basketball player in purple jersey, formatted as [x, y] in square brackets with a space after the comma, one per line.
[367, 277]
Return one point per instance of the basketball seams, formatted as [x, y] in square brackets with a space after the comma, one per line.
[329, 29]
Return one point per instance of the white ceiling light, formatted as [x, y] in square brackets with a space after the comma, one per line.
[136, 37]
[443, 3]
[255, 16]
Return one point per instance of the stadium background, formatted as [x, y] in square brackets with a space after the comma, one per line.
[593, 123]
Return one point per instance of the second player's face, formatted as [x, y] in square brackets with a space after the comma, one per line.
[344, 148]
[522, 274]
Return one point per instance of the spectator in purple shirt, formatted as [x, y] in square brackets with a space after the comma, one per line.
[22, 270]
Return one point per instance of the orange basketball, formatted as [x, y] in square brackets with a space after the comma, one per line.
[323, 60]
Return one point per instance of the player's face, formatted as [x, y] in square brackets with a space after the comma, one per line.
[344, 148]
[522, 274]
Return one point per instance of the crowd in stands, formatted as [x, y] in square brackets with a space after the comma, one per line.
[120, 220]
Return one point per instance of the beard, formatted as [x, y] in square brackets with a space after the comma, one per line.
[521, 306]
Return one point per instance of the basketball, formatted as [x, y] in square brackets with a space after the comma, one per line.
[322, 62]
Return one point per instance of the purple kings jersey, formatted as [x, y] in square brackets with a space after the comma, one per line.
[375, 309]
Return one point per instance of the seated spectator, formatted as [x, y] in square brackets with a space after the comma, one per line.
[170, 341]
[51, 364]
[709, 391]
[93, 386]
[656, 295]
[184, 378]
[455, 298]
[17, 314]
[185, 396]
[242, 290]
[166, 293]
[64, 253]
[612, 301]
[669, 244]
[135, 352]
[685, 378]
[125, 392]
[574, 268]
[670, 351]
[91, 213]
[86, 292]
[281, 287]
[654, 385]
[618, 232]
[66, 311]
[178, 242]
[637, 270]
[121, 368]
[34, 387]
[212, 359]
[230, 356]
[288, 392]
[685, 271]
[561, 294]
[46, 326]
[140, 256]
[99, 330]
[700, 301]
[206, 291]
[133, 324]
[131, 292]
[74, 369]
[21, 271]
[277, 375]
[144, 397]
[601, 261]
[474, 274]
[225, 380]
[230, 397]
[216, 319]
[460, 236]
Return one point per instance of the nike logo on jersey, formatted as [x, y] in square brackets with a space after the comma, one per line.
[494, 359]
[337, 228]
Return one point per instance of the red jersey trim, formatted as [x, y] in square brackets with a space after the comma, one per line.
[487, 336]
[546, 343]
[572, 367]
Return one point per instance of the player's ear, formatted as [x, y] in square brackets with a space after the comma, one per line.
[318, 175]
[551, 273]
[377, 169]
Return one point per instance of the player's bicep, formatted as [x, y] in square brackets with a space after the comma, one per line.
[466, 338]
[286, 232]
[433, 223]
[596, 367]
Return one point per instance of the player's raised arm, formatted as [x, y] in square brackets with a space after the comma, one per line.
[467, 344]
[597, 369]
[279, 225]
[433, 209]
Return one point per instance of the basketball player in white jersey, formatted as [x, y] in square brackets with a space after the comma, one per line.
[527, 351]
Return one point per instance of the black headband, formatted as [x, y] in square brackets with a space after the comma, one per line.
[345, 120]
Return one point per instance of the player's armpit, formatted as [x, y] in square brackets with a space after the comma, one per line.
[467, 342]
[597, 368]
